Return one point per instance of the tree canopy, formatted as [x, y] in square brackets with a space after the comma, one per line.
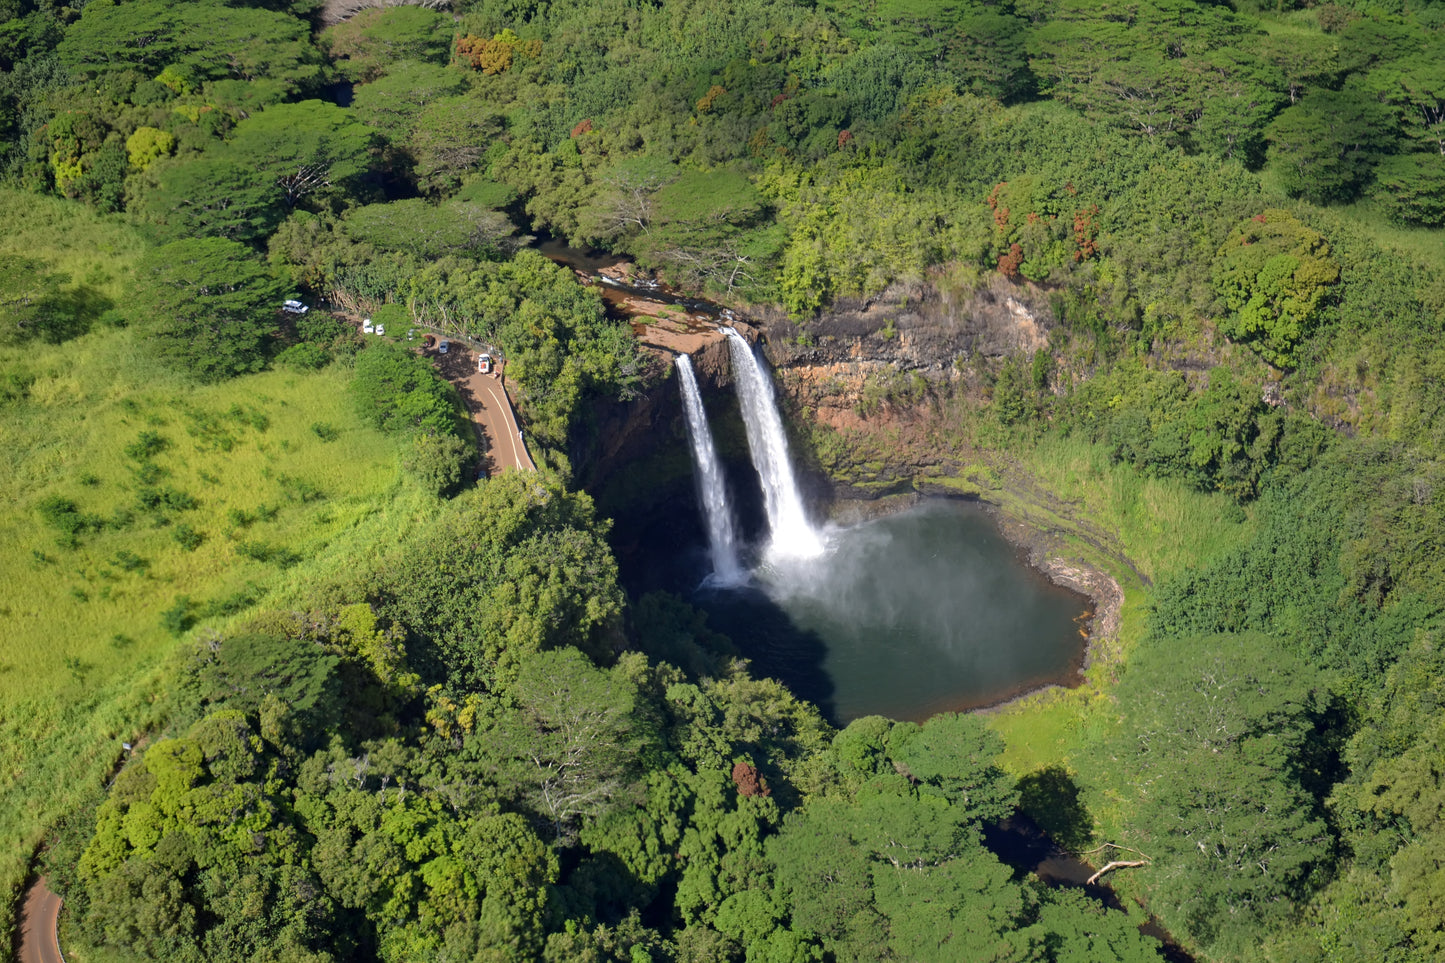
[1163, 278]
[209, 304]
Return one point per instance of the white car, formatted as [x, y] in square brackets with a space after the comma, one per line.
[381, 329]
[294, 307]
[367, 327]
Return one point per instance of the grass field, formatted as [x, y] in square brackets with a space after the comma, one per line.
[70, 238]
[1162, 526]
[140, 511]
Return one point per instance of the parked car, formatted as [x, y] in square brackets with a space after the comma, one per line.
[411, 334]
[367, 327]
[442, 346]
[381, 329]
[484, 363]
[294, 307]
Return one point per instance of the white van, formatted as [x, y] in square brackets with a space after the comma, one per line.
[367, 327]
[294, 307]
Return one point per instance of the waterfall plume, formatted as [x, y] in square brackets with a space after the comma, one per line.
[792, 535]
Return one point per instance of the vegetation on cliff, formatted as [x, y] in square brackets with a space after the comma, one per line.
[381, 714]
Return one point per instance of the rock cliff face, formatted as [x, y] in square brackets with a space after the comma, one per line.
[863, 369]
[894, 346]
[860, 386]
[622, 434]
[923, 327]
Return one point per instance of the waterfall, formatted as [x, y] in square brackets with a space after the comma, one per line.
[792, 536]
[721, 537]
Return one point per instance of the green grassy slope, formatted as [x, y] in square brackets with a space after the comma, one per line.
[288, 486]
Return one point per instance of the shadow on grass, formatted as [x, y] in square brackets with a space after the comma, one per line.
[1051, 799]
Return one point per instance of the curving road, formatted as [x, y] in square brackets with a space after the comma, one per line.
[491, 410]
[39, 925]
[494, 413]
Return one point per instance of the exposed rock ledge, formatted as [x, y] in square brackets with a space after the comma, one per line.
[1072, 573]
[823, 369]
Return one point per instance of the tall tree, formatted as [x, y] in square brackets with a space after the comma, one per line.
[1275, 274]
[392, 104]
[205, 39]
[209, 197]
[1214, 735]
[448, 140]
[571, 747]
[431, 230]
[1412, 188]
[209, 304]
[368, 44]
[517, 566]
[1324, 147]
[308, 149]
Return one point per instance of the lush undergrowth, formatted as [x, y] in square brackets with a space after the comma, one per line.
[136, 509]
[1237, 417]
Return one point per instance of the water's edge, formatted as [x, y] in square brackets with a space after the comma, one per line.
[1104, 595]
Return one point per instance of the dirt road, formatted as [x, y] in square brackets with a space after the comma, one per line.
[490, 408]
[39, 921]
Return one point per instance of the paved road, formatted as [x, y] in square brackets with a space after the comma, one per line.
[39, 921]
[490, 408]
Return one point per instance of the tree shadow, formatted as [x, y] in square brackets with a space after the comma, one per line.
[1051, 799]
[599, 885]
[777, 648]
[63, 315]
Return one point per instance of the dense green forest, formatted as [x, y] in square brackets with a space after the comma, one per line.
[380, 712]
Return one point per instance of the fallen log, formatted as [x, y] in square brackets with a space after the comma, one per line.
[1113, 865]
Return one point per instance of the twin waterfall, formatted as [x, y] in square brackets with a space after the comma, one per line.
[792, 537]
[722, 539]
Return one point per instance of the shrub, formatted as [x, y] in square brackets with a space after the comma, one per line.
[299, 490]
[304, 357]
[437, 462]
[180, 617]
[188, 537]
[253, 417]
[128, 561]
[148, 473]
[325, 431]
[1275, 274]
[68, 521]
[398, 391]
[262, 552]
[159, 499]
